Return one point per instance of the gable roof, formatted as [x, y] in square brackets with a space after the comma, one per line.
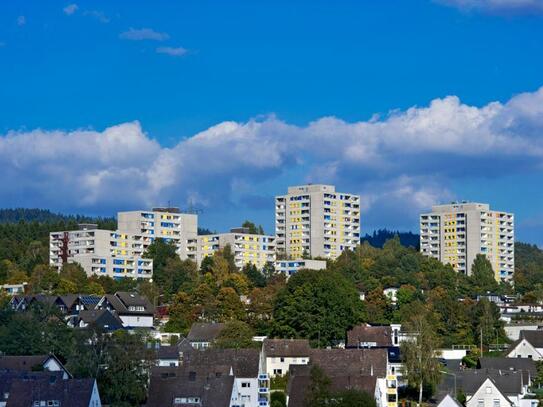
[7, 377]
[380, 335]
[449, 401]
[205, 331]
[70, 392]
[168, 383]
[121, 301]
[243, 362]
[101, 318]
[534, 337]
[508, 383]
[286, 348]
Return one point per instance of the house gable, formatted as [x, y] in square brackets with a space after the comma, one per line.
[524, 349]
[488, 395]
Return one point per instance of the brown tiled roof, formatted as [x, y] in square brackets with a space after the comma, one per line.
[380, 335]
[299, 386]
[286, 347]
[168, 383]
[243, 362]
[71, 392]
[204, 331]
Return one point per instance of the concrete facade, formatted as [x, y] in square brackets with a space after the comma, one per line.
[317, 221]
[169, 224]
[101, 252]
[246, 247]
[290, 267]
[456, 233]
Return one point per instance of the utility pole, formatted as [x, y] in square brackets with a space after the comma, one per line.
[481, 341]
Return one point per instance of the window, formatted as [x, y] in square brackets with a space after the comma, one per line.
[488, 390]
[278, 372]
[282, 359]
[391, 398]
[245, 384]
[480, 403]
[496, 403]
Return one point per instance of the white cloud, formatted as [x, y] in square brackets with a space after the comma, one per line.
[98, 15]
[70, 9]
[143, 34]
[497, 6]
[21, 20]
[173, 51]
[401, 163]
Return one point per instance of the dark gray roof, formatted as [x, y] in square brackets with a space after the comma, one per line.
[121, 301]
[168, 352]
[534, 337]
[204, 331]
[101, 318]
[299, 386]
[22, 363]
[7, 377]
[286, 347]
[243, 362]
[168, 383]
[508, 383]
[381, 335]
[525, 365]
[71, 392]
[363, 362]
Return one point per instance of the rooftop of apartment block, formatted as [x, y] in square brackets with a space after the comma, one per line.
[311, 188]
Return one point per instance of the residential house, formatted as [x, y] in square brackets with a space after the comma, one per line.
[251, 384]
[524, 365]
[279, 354]
[133, 309]
[33, 363]
[360, 369]
[8, 376]
[185, 386]
[203, 334]
[485, 388]
[13, 289]
[101, 318]
[529, 345]
[53, 392]
[173, 355]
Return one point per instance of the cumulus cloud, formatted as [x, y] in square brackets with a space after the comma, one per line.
[172, 51]
[498, 6]
[143, 34]
[400, 164]
[70, 9]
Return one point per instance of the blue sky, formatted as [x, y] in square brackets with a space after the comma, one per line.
[109, 105]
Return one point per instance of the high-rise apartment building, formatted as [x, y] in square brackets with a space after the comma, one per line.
[456, 233]
[316, 220]
[101, 252]
[246, 247]
[169, 224]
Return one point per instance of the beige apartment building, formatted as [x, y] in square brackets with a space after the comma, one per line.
[246, 247]
[456, 233]
[170, 224]
[317, 221]
[101, 252]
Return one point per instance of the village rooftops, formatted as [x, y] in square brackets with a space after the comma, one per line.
[125, 303]
[525, 365]
[286, 347]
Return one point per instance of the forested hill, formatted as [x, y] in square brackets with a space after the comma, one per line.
[45, 216]
[379, 237]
